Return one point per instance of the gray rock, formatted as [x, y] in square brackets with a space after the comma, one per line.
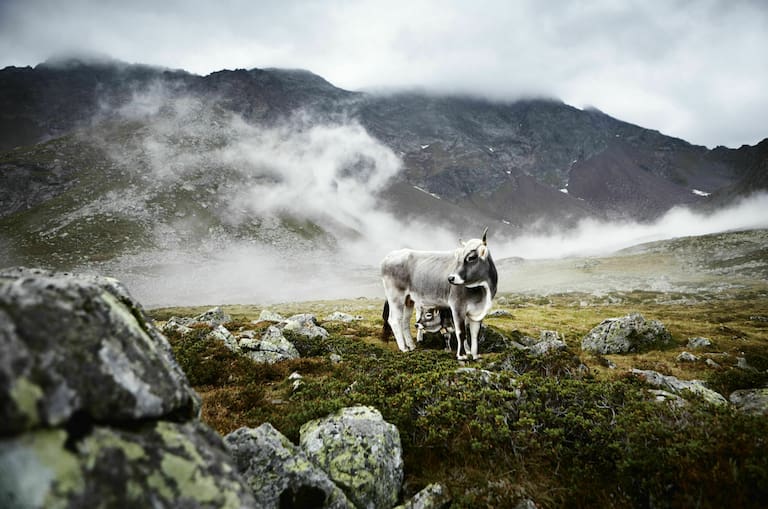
[711, 363]
[549, 342]
[280, 474]
[751, 401]
[81, 345]
[497, 313]
[270, 316]
[630, 333]
[213, 317]
[271, 348]
[686, 357]
[156, 464]
[699, 342]
[338, 316]
[177, 324]
[361, 453]
[220, 333]
[434, 496]
[663, 396]
[680, 387]
[305, 324]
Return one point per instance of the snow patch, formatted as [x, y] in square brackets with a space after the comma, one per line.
[564, 190]
[433, 195]
[424, 147]
[700, 193]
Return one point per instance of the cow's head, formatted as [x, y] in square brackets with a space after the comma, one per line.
[429, 319]
[474, 266]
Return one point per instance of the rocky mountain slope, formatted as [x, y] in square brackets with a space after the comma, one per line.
[101, 158]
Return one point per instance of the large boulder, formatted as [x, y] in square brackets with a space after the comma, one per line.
[306, 325]
[360, 451]
[279, 473]
[631, 333]
[94, 410]
[81, 345]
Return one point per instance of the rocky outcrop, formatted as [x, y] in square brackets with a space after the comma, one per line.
[94, 410]
[306, 325]
[360, 452]
[279, 473]
[271, 348]
[631, 333]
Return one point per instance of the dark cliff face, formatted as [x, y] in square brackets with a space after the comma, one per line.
[509, 161]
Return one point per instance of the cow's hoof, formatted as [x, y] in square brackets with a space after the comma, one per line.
[461, 357]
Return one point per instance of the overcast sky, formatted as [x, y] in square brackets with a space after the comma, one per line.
[693, 69]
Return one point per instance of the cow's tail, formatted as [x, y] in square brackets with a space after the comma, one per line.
[386, 330]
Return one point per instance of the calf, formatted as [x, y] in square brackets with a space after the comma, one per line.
[434, 320]
[463, 280]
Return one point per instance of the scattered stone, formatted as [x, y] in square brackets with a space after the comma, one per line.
[177, 324]
[335, 358]
[270, 316]
[497, 313]
[549, 342]
[296, 378]
[699, 342]
[630, 333]
[360, 452]
[711, 363]
[680, 387]
[434, 496]
[741, 363]
[279, 473]
[213, 317]
[220, 333]
[759, 318]
[338, 316]
[751, 401]
[687, 357]
[305, 324]
[271, 348]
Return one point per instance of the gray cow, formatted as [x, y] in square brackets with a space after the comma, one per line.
[463, 280]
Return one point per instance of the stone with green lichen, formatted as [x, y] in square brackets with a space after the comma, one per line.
[360, 451]
[680, 387]
[80, 344]
[279, 473]
[273, 347]
[160, 464]
[631, 333]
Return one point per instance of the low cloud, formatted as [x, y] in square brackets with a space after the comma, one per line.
[594, 238]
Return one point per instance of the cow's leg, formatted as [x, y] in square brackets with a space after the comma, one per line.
[396, 299]
[474, 332]
[406, 324]
[458, 324]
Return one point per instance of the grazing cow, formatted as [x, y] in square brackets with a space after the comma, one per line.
[463, 280]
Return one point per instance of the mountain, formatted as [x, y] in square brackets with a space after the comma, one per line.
[100, 158]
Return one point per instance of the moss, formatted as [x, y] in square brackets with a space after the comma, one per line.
[25, 395]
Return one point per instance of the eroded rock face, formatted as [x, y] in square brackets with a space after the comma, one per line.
[361, 453]
[751, 401]
[631, 333]
[279, 473]
[81, 344]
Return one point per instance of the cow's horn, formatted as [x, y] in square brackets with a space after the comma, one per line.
[485, 232]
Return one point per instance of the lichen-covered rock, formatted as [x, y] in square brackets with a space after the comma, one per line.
[273, 347]
[686, 357]
[306, 325]
[631, 333]
[220, 333]
[751, 401]
[434, 496]
[549, 341]
[154, 464]
[81, 345]
[279, 473]
[360, 451]
[680, 387]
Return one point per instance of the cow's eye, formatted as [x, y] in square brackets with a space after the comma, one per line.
[471, 257]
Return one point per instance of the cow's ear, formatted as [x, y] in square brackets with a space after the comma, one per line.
[482, 251]
[485, 234]
[463, 244]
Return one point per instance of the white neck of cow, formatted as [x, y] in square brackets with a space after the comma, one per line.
[478, 312]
